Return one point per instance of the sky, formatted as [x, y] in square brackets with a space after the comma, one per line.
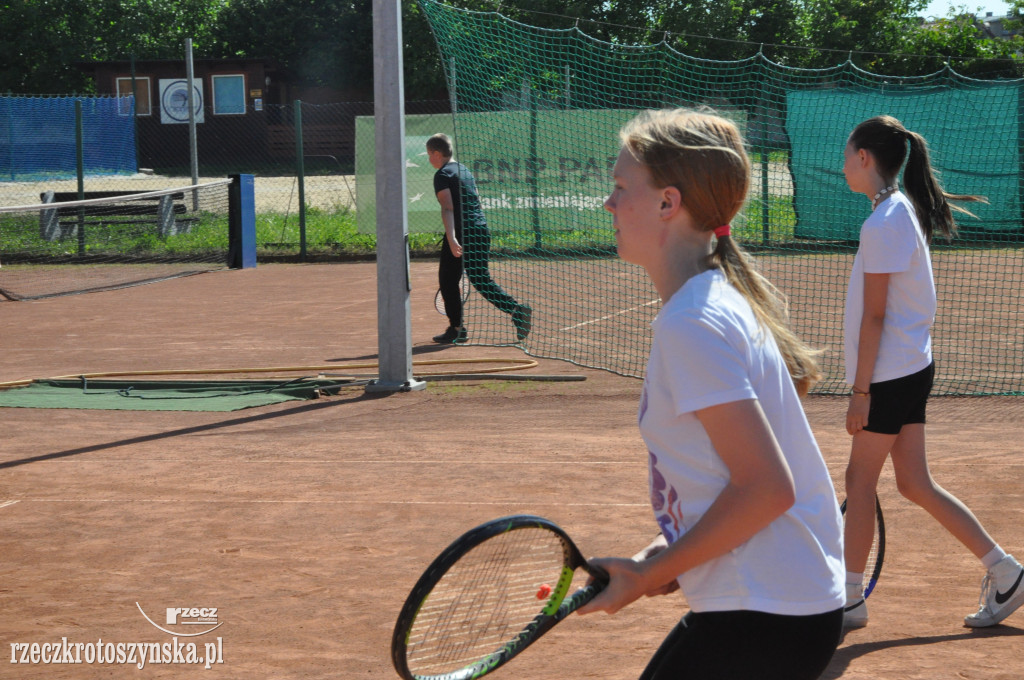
[940, 8]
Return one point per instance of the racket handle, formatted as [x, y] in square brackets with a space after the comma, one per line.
[580, 598]
[598, 574]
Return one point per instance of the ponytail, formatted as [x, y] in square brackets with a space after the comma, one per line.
[771, 309]
[932, 204]
[888, 140]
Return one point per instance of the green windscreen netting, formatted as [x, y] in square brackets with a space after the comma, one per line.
[537, 113]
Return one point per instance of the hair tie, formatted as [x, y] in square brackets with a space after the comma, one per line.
[722, 231]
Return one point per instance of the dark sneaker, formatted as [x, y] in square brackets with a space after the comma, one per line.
[996, 603]
[451, 336]
[522, 319]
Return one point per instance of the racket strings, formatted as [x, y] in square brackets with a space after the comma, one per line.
[873, 553]
[485, 600]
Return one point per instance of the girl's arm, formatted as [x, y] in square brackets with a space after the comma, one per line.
[876, 289]
[444, 197]
[659, 544]
[760, 489]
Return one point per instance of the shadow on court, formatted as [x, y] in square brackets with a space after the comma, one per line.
[208, 427]
[845, 655]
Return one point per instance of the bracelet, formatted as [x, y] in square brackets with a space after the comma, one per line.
[854, 391]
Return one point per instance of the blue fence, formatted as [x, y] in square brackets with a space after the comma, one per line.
[38, 139]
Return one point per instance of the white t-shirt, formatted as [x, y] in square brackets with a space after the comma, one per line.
[891, 242]
[708, 349]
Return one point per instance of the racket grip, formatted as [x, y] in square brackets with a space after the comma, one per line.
[599, 579]
[599, 575]
[578, 599]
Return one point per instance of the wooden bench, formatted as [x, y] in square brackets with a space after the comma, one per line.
[163, 211]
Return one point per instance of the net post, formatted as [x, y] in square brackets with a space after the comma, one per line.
[242, 222]
[165, 222]
[49, 224]
[394, 334]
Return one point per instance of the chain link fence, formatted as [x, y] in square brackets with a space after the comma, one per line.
[305, 202]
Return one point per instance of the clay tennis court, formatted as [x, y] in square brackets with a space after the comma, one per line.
[306, 523]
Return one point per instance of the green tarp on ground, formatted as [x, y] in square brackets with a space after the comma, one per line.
[163, 395]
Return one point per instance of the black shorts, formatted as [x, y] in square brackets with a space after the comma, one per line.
[899, 402]
[747, 645]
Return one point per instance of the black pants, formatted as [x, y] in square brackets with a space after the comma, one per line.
[747, 645]
[475, 260]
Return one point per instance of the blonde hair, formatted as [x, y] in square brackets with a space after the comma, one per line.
[702, 155]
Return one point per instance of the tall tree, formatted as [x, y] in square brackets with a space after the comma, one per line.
[46, 40]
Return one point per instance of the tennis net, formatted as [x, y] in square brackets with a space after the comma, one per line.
[73, 242]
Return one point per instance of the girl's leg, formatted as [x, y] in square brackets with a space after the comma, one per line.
[1002, 592]
[915, 483]
[867, 456]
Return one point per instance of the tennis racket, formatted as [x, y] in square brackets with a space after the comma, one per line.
[439, 301]
[877, 554]
[487, 597]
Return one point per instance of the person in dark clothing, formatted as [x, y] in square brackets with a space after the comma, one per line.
[466, 245]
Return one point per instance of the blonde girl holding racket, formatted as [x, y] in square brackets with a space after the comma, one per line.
[750, 527]
[890, 308]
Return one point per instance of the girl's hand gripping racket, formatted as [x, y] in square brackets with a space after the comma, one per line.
[487, 597]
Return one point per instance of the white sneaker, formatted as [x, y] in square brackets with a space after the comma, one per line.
[855, 614]
[1002, 592]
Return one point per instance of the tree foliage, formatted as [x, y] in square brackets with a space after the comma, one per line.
[317, 42]
[46, 40]
[330, 42]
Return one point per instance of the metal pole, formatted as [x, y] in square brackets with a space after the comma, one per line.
[453, 95]
[394, 335]
[568, 87]
[766, 232]
[135, 114]
[193, 147]
[538, 244]
[80, 172]
[300, 171]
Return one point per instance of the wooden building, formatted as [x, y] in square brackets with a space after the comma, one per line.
[244, 110]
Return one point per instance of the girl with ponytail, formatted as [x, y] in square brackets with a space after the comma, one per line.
[749, 524]
[890, 308]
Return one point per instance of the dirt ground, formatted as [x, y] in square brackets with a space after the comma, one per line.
[305, 524]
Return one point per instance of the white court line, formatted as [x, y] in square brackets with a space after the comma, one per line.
[4, 504]
[608, 316]
[257, 501]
